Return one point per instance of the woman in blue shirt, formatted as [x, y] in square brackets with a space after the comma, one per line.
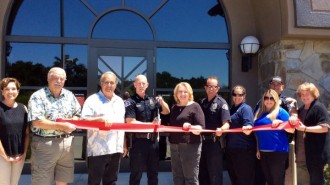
[273, 145]
[240, 148]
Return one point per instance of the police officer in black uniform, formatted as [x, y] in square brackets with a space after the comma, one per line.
[217, 117]
[144, 149]
[287, 103]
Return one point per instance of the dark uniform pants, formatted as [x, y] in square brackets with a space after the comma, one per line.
[241, 165]
[144, 153]
[211, 164]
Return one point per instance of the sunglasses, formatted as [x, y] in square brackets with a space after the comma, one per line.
[269, 98]
[212, 86]
[239, 95]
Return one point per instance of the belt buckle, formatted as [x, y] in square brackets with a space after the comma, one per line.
[148, 136]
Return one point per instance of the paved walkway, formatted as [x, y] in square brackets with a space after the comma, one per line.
[165, 178]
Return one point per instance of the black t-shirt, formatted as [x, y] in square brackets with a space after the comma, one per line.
[13, 124]
[192, 114]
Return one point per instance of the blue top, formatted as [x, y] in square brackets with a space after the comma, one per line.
[241, 115]
[274, 140]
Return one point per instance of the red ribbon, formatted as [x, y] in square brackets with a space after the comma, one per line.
[150, 127]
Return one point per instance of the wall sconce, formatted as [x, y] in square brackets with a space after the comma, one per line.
[249, 46]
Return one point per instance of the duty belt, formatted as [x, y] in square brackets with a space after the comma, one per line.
[144, 135]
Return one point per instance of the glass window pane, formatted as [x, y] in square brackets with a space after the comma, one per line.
[191, 65]
[76, 65]
[24, 95]
[102, 5]
[37, 18]
[146, 7]
[122, 25]
[198, 95]
[188, 20]
[77, 19]
[29, 63]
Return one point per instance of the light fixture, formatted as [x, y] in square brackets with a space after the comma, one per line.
[249, 46]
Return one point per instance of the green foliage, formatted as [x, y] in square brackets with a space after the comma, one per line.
[327, 174]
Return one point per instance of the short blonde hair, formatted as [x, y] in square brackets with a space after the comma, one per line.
[189, 89]
[310, 87]
[274, 110]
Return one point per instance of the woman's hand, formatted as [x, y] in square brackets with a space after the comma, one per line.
[218, 132]
[186, 126]
[293, 120]
[196, 132]
[276, 123]
[258, 154]
[247, 129]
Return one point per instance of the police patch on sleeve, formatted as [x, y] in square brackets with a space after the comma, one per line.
[225, 107]
[127, 103]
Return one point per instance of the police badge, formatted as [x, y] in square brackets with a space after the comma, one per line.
[152, 102]
[214, 106]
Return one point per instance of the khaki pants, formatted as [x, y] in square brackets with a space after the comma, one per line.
[52, 159]
[10, 172]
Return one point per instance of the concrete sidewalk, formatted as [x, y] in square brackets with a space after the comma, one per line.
[164, 178]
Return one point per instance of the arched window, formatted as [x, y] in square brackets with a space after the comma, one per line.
[169, 40]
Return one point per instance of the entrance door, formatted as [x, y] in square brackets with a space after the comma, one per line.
[125, 63]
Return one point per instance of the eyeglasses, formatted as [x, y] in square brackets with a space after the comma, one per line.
[269, 98]
[212, 86]
[56, 78]
[239, 95]
[108, 83]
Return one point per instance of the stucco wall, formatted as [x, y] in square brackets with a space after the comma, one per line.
[3, 9]
[241, 23]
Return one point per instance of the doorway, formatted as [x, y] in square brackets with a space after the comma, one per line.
[126, 64]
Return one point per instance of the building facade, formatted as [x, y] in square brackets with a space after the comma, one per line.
[294, 37]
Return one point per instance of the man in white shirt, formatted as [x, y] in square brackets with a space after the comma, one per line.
[104, 148]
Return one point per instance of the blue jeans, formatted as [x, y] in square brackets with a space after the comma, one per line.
[211, 164]
[144, 153]
[185, 163]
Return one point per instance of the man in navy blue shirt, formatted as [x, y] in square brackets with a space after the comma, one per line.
[217, 116]
[144, 151]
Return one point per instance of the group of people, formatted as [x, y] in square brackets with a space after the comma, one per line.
[252, 157]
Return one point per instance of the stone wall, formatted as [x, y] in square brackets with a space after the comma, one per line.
[297, 61]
